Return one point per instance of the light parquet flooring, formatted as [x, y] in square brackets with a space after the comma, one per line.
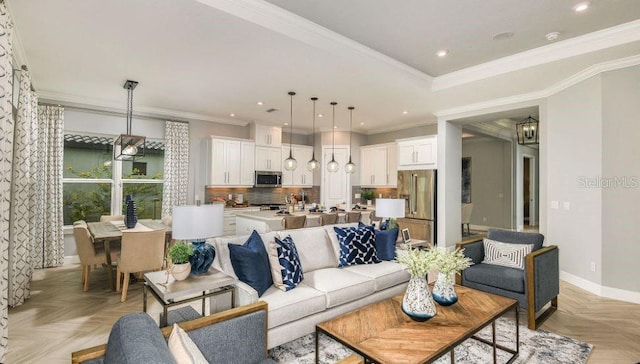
[60, 318]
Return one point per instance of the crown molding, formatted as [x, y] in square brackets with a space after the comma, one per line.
[547, 92]
[87, 103]
[272, 17]
[602, 39]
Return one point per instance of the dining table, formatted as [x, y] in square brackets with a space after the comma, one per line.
[109, 231]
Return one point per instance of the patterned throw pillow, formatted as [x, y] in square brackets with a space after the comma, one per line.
[286, 269]
[505, 254]
[357, 245]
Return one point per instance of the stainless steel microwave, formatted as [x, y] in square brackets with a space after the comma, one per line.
[268, 179]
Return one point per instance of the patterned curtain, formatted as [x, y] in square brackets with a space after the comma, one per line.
[176, 166]
[22, 231]
[6, 157]
[48, 247]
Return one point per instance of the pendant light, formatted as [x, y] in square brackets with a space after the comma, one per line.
[333, 166]
[290, 163]
[127, 146]
[313, 164]
[350, 167]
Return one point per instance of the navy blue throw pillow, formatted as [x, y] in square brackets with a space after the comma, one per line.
[357, 245]
[250, 261]
[285, 262]
[386, 243]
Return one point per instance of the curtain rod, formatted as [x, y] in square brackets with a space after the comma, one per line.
[25, 68]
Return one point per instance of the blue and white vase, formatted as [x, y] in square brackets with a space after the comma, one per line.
[131, 216]
[444, 291]
[417, 302]
[202, 257]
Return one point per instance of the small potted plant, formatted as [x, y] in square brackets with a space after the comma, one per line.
[368, 196]
[179, 255]
[448, 263]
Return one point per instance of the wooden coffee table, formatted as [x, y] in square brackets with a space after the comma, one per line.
[382, 333]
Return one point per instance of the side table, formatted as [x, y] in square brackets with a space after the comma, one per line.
[200, 287]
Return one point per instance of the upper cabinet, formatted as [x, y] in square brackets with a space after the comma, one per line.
[419, 153]
[301, 176]
[378, 165]
[268, 159]
[228, 162]
[268, 136]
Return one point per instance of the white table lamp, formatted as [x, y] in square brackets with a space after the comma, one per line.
[197, 223]
[389, 208]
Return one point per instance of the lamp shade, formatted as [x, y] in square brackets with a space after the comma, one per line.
[197, 222]
[390, 207]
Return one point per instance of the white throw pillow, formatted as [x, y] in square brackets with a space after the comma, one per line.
[183, 349]
[505, 254]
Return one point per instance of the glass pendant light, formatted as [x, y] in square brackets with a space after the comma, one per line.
[333, 166]
[290, 163]
[350, 167]
[313, 164]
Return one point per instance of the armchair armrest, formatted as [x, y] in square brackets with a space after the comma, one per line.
[473, 249]
[542, 274]
[246, 294]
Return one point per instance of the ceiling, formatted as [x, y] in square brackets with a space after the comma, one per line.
[208, 59]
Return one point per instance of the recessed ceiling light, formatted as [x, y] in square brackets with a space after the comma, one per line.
[552, 35]
[442, 53]
[320, 115]
[335, 127]
[260, 103]
[503, 36]
[405, 112]
[580, 7]
[232, 115]
[285, 124]
[362, 123]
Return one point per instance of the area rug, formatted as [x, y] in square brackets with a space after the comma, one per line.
[536, 347]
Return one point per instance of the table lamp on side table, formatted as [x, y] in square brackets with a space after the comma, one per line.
[197, 223]
[389, 208]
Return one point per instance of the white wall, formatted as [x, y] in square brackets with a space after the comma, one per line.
[574, 151]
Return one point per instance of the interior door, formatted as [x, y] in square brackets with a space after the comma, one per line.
[336, 188]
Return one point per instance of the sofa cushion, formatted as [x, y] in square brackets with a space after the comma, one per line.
[250, 262]
[357, 246]
[314, 248]
[293, 305]
[285, 264]
[339, 285]
[516, 237]
[333, 237]
[135, 338]
[386, 243]
[385, 275]
[183, 349]
[505, 254]
[510, 279]
[222, 260]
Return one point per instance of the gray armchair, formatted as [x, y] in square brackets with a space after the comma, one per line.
[533, 287]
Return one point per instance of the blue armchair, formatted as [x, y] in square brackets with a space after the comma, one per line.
[534, 287]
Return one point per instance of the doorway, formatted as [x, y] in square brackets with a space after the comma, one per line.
[335, 187]
[529, 192]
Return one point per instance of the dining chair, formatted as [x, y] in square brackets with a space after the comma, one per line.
[89, 254]
[106, 218]
[465, 217]
[328, 219]
[141, 251]
[354, 216]
[294, 222]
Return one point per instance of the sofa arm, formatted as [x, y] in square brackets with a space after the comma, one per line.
[246, 295]
[542, 276]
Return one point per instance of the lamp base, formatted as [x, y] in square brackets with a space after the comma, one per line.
[202, 258]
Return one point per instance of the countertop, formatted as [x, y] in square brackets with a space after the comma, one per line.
[268, 216]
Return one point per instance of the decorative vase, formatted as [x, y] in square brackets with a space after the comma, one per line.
[181, 271]
[131, 216]
[202, 257]
[444, 291]
[417, 302]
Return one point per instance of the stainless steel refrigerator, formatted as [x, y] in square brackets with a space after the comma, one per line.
[418, 188]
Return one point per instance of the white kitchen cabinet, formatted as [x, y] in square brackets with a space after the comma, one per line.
[301, 176]
[419, 153]
[378, 168]
[229, 220]
[268, 159]
[226, 164]
[268, 136]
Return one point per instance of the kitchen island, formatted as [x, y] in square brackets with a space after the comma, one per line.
[265, 221]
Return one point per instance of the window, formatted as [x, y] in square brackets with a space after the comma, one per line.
[94, 184]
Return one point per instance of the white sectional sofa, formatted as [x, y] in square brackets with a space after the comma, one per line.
[325, 292]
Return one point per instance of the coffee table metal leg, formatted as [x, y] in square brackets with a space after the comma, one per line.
[144, 297]
[163, 323]
[493, 339]
[517, 309]
[453, 357]
[317, 348]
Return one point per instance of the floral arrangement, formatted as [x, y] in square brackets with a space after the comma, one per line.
[449, 262]
[418, 262]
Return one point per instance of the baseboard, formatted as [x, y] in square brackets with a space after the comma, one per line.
[72, 259]
[599, 290]
[479, 227]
